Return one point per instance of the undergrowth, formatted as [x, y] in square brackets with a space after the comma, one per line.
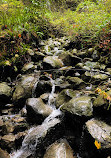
[23, 23]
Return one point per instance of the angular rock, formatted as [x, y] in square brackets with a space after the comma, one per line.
[52, 62]
[64, 96]
[24, 87]
[69, 59]
[36, 108]
[100, 131]
[76, 82]
[100, 77]
[60, 148]
[28, 67]
[79, 106]
[43, 86]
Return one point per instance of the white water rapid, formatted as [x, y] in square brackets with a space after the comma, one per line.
[33, 138]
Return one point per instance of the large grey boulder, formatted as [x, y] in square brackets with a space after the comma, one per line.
[36, 108]
[25, 86]
[79, 106]
[60, 148]
[100, 131]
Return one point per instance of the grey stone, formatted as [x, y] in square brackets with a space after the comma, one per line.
[100, 131]
[79, 106]
[60, 148]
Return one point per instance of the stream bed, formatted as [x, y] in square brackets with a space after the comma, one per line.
[58, 106]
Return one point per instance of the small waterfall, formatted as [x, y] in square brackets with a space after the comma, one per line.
[35, 85]
[36, 133]
[52, 93]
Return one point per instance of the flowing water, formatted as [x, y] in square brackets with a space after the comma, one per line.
[33, 138]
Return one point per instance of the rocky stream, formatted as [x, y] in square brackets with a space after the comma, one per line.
[51, 108]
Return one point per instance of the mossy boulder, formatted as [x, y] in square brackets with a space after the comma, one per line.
[69, 59]
[52, 62]
[79, 106]
[76, 82]
[24, 87]
[100, 77]
[64, 96]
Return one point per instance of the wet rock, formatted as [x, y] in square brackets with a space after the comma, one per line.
[8, 142]
[52, 62]
[42, 136]
[76, 82]
[5, 93]
[79, 106]
[94, 65]
[36, 108]
[59, 148]
[99, 77]
[28, 67]
[24, 88]
[64, 96]
[69, 59]
[87, 76]
[45, 97]
[100, 131]
[13, 124]
[4, 154]
[60, 83]
[43, 87]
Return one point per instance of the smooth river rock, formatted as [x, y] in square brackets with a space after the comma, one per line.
[59, 149]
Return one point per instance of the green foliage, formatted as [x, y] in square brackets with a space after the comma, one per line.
[86, 22]
[17, 17]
